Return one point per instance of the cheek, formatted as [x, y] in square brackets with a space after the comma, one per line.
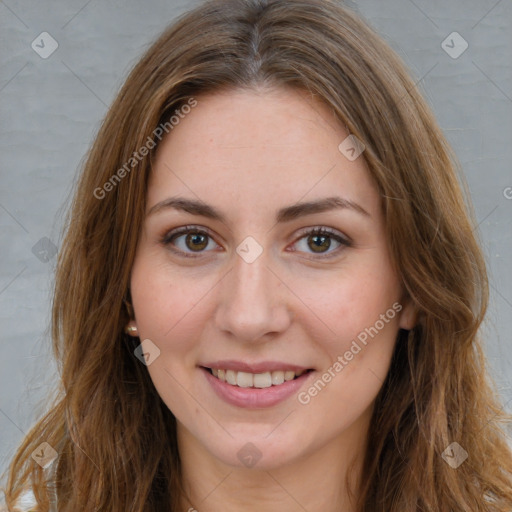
[164, 306]
[364, 317]
[351, 305]
[162, 302]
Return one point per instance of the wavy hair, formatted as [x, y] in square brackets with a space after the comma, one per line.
[115, 437]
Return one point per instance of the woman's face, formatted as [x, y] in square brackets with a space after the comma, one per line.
[231, 281]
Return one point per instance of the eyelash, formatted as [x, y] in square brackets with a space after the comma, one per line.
[169, 238]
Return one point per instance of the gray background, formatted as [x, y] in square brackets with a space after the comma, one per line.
[51, 108]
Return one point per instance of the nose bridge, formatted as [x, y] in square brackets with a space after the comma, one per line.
[251, 302]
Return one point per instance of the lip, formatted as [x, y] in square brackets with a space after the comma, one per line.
[255, 398]
[261, 367]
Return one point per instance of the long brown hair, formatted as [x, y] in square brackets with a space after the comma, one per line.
[115, 438]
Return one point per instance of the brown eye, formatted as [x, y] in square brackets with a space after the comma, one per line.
[196, 241]
[320, 240]
[187, 240]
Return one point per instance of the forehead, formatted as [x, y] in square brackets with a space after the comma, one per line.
[257, 147]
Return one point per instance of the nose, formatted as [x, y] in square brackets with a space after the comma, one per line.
[253, 302]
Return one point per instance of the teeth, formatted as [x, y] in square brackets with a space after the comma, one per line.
[258, 380]
[244, 380]
[277, 378]
[231, 377]
[289, 375]
[262, 380]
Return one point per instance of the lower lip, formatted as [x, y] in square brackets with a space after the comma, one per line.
[255, 398]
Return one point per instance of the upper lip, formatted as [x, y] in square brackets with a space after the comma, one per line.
[260, 367]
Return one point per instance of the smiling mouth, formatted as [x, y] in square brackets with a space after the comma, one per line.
[255, 380]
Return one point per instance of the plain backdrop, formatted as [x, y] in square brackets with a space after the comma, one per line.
[51, 108]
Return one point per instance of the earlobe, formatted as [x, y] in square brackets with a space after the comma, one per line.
[131, 329]
[408, 316]
[131, 326]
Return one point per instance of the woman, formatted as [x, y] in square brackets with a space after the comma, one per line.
[270, 292]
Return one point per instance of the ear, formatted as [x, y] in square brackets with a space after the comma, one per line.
[131, 329]
[128, 304]
[408, 315]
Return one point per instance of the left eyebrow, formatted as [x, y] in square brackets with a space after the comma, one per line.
[285, 214]
[319, 206]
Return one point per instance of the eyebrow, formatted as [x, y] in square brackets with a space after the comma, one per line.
[285, 214]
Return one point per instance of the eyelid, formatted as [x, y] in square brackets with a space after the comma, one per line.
[186, 229]
[325, 229]
[168, 236]
[317, 230]
[340, 237]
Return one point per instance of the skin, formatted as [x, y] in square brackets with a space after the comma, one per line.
[290, 304]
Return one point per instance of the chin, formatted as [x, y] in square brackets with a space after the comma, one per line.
[256, 452]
